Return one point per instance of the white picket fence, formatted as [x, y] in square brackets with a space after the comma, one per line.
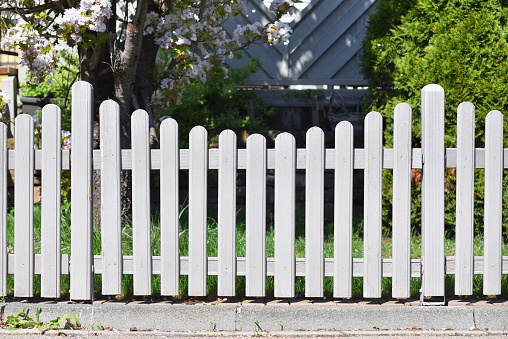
[255, 160]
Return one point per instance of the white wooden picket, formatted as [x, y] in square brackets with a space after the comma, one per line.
[401, 220]
[141, 223]
[343, 210]
[111, 219]
[372, 204]
[255, 216]
[314, 212]
[433, 190]
[50, 202]
[465, 199]
[227, 214]
[81, 268]
[285, 159]
[170, 165]
[198, 168]
[23, 207]
[284, 216]
[493, 202]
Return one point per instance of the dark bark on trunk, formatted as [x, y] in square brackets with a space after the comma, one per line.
[120, 71]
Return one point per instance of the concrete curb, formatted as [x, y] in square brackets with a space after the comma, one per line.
[221, 334]
[272, 318]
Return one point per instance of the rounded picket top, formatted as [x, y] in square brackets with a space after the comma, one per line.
[109, 107]
[256, 139]
[284, 138]
[24, 118]
[82, 89]
[50, 108]
[466, 106]
[495, 115]
[139, 115]
[198, 134]
[403, 109]
[169, 123]
[344, 130]
[197, 130]
[227, 135]
[432, 88]
[314, 131]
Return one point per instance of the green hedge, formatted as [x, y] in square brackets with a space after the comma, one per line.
[460, 45]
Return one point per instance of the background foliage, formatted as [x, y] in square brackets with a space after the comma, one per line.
[460, 45]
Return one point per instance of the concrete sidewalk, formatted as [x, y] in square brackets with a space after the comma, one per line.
[276, 315]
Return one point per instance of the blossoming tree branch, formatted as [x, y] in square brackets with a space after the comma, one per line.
[118, 44]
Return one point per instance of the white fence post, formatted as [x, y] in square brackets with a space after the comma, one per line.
[24, 207]
[10, 86]
[198, 169]
[284, 218]
[401, 220]
[465, 199]
[433, 150]
[50, 202]
[170, 166]
[493, 203]
[81, 268]
[111, 219]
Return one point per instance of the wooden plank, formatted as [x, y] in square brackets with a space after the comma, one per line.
[3, 209]
[227, 214]
[213, 157]
[111, 218]
[284, 216]
[170, 274]
[23, 207]
[372, 205]
[50, 202]
[343, 210]
[241, 263]
[198, 164]
[10, 86]
[465, 199]
[141, 223]
[81, 280]
[401, 219]
[314, 212]
[493, 202]
[255, 216]
[433, 190]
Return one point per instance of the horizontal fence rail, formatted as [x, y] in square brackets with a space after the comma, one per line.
[285, 159]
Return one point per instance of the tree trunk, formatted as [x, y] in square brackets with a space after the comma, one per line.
[112, 72]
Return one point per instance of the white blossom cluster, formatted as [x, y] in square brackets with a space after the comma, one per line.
[36, 53]
[185, 33]
[91, 14]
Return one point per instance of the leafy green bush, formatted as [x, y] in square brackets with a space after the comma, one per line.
[218, 104]
[458, 44]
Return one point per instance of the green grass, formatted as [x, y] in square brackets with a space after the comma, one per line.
[212, 245]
